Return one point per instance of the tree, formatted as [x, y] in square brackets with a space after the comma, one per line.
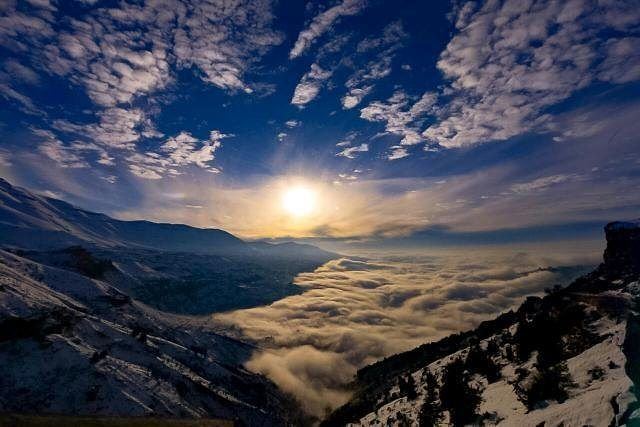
[407, 387]
[431, 384]
[457, 396]
[547, 383]
[478, 361]
[508, 353]
[492, 347]
[430, 412]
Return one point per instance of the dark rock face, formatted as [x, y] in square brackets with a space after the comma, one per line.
[621, 260]
[622, 255]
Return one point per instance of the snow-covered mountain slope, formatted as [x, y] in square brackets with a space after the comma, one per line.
[187, 283]
[571, 358]
[70, 344]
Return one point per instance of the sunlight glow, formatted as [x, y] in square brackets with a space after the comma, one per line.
[299, 201]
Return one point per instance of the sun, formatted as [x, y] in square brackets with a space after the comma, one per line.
[299, 201]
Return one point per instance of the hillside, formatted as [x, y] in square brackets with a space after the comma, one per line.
[171, 267]
[70, 344]
[570, 358]
[45, 223]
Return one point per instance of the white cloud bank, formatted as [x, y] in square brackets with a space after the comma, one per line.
[354, 312]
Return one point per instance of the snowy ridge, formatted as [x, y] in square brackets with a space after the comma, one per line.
[571, 358]
[589, 403]
[31, 221]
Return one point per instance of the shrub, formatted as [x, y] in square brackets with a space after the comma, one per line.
[596, 373]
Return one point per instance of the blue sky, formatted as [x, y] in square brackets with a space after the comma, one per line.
[488, 121]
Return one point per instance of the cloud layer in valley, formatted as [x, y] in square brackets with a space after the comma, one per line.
[355, 311]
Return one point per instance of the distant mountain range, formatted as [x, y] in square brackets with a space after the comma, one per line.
[172, 267]
[38, 222]
[31, 221]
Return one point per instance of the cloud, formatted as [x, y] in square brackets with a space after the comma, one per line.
[379, 52]
[511, 60]
[294, 369]
[118, 128]
[309, 86]
[347, 140]
[20, 72]
[354, 312]
[512, 194]
[621, 64]
[177, 152]
[220, 41]
[65, 156]
[392, 35]
[292, 123]
[122, 53]
[26, 104]
[475, 200]
[5, 158]
[44, 4]
[398, 152]
[323, 22]
[401, 115]
[541, 184]
[350, 152]
[355, 96]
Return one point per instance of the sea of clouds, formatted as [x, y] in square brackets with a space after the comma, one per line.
[356, 310]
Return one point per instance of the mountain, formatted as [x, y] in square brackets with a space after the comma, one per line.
[45, 223]
[93, 316]
[171, 267]
[31, 221]
[70, 344]
[570, 358]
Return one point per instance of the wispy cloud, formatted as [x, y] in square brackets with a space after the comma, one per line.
[541, 184]
[383, 49]
[309, 86]
[323, 22]
[350, 152]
